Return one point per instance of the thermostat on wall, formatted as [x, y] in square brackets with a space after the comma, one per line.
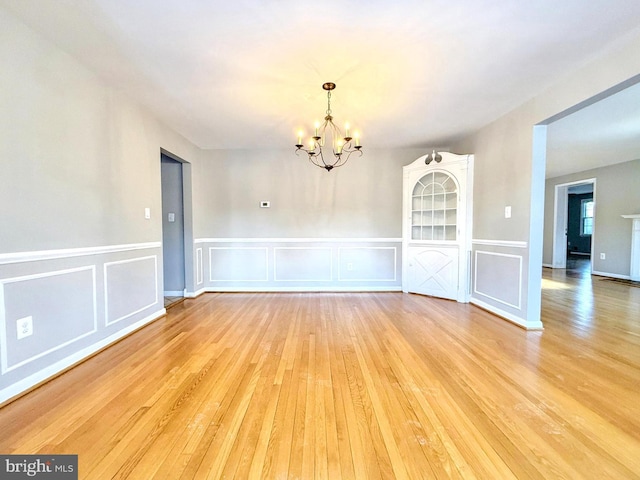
[265, 204]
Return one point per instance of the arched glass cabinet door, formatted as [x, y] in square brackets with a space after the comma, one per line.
[434, 208]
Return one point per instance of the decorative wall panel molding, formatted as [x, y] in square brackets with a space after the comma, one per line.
[130, 286]
[199, 267]
[369, 264]
[302, 264]
[498, 277]
[238, 264]
[59, 306]
[66, 304]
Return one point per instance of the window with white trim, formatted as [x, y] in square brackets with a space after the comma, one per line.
[586, 217]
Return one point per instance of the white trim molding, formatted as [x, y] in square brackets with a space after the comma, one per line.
[199, 267]
[500, 243]
[521, 322]
[297, 240]
[33, 256]
[302, 289]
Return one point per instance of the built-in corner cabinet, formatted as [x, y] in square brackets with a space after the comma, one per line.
[436, 226]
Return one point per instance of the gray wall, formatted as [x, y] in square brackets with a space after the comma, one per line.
[80, 163]
[338, 230]
[361, 199]
[617, 192]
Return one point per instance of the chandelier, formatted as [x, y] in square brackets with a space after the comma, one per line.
[329, 148]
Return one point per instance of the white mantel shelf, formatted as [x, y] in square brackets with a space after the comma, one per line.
[635, 246]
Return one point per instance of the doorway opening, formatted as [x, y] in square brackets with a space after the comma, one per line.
[574, 225]
[175, 223]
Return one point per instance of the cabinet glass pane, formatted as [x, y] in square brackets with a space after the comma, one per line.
[451, 217]
[434, 208]
[438, 201]
[450, 233]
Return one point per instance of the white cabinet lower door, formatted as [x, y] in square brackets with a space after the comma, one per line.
[433, 270]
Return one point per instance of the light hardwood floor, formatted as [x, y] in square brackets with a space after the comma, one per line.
[371, 385]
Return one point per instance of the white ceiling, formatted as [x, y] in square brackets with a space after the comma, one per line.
[604, 133]
[409, 73]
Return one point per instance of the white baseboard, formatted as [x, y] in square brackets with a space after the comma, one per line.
[611, 275]
[301, 289]
[195, 294]
[521, 322]
[547, 265]
[54, 369]
[174, 293]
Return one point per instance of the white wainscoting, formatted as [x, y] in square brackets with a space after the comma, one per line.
[58, 320]
[199, 267]
[75, 311]
[498, 279]
[302, 264]
[238, 264]
[127, 287]
[368, 264]
[494, 276]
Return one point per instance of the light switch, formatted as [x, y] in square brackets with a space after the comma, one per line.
[507, 211]
[172, 217]
[147, 213]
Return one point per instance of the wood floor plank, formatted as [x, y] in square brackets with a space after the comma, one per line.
[354, 386]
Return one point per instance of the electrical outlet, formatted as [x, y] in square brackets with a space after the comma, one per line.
[603, 256]
[24, 327]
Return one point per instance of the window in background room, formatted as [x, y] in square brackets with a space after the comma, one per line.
[586, 218]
